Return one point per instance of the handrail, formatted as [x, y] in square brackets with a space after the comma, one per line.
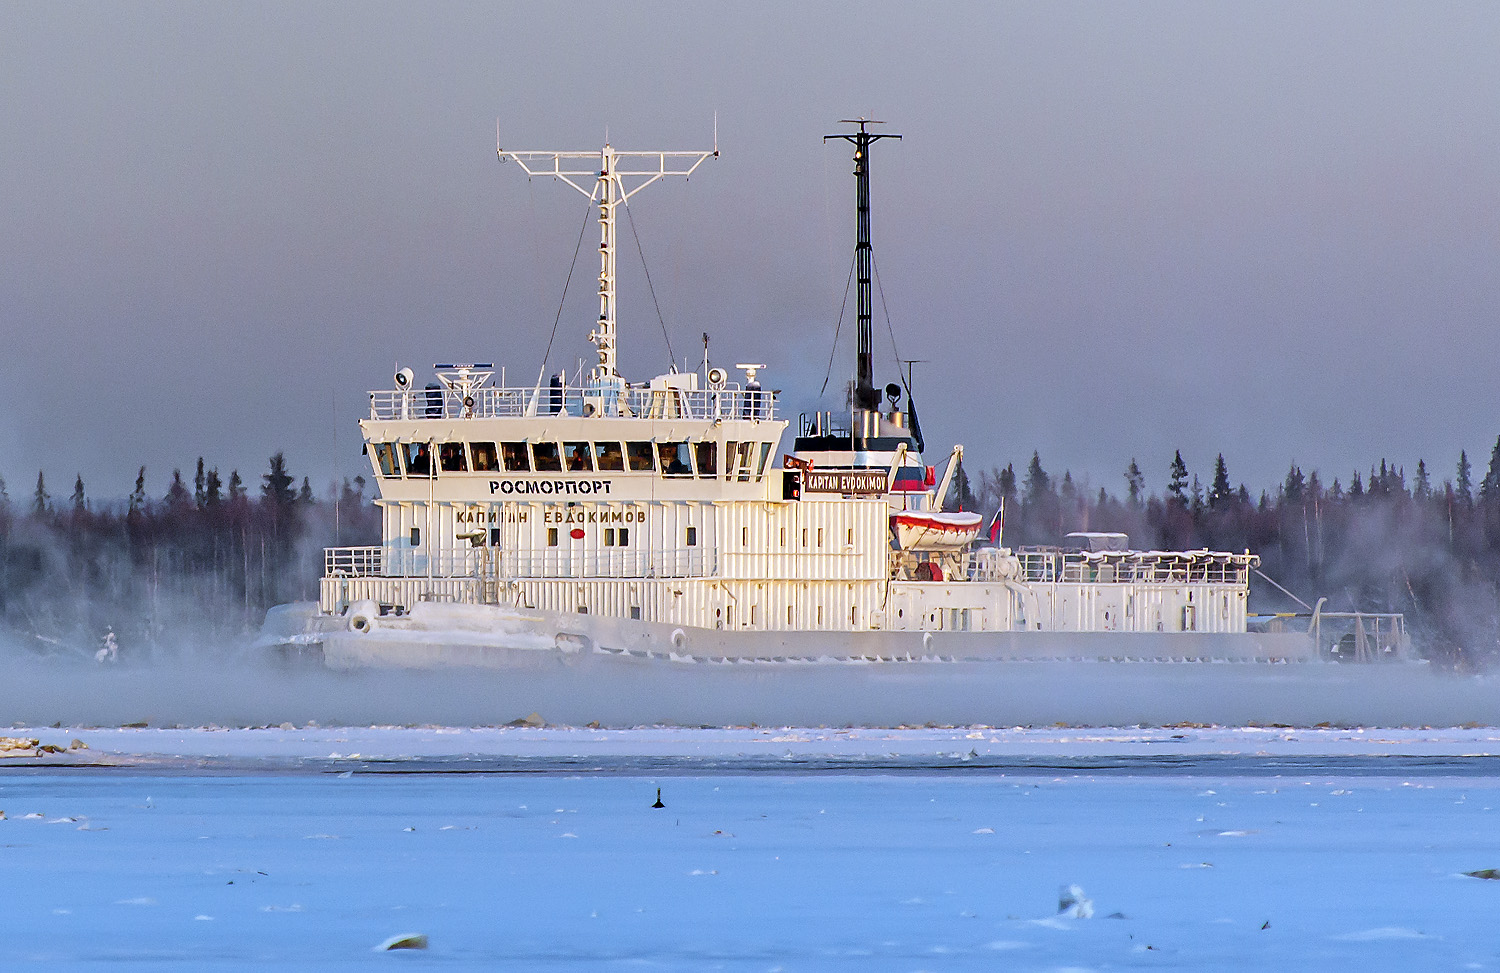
[731, 402]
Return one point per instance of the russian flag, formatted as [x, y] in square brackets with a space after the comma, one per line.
[997, 525]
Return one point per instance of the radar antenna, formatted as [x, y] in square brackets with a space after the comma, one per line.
[619, 176]
[866, 395]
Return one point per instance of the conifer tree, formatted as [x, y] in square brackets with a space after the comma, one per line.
[1423, 487]
[211, 489]
[39, 504]
[80, 503]
[1038, 483]
[1219, 490]
[1177, 480]
[200, 486]
[236, 485]
[138, 495]
[1135, 484]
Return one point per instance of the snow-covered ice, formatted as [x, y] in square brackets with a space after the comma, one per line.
[793, 849]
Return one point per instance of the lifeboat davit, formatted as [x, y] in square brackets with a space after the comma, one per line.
[934, 530]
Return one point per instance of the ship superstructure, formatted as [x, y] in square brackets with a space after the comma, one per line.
[662, 519]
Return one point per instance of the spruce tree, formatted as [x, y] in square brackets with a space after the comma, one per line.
[1135, 484]
[1177, 480]
[1464, 485]
[41, 500]
[138, 495]
[1219, 491]
[200, 486]
[80, 503]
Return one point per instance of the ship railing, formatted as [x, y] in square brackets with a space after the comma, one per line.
[492, 563]
[1344, 636]
[731, 402]
[1135, 567]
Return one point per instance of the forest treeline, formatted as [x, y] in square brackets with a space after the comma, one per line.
[206, 559]
[1382, 542]
[202, 562]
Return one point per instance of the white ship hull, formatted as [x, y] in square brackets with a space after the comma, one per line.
[493, 637]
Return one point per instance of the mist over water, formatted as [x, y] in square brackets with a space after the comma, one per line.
[236, 688]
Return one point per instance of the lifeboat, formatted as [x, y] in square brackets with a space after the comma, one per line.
[934, 530]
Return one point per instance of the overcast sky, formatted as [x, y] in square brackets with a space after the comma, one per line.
[1113, 230]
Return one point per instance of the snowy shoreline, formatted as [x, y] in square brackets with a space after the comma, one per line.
[960, 744]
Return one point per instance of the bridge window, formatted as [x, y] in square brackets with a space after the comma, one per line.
[616, 537]
[580, 459]
[609, 457]
[546, 457]
[486, 460]
[516, 460]
[418, 459]
[708, 458]
[743, 460]
[416, 537]
[729, 454]
[641, 456]
[676, 459]
[385, 458]
[494, 537]
[692, 537]
[451, 458]
[765, 455]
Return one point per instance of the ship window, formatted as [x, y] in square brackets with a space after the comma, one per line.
[765, 454]
[624, 536]
[385, 457]
[609, 537]
[641, 456]
[494, 537]
[729, 454]
[551, 536]
[744, 536]
[754, 615]
[484, 457]
[708, 458]
[692, 537]
[451, 458]
[820, 537]
[676, 460]
[609, 457]
[742, 461]
[418, 460]
[416, 537]
[516, 460]
[546, 457]
[783, 537]
[789, 614]
[804, 537]
[579, 457]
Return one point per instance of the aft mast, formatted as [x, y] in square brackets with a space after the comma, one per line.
[619, 176]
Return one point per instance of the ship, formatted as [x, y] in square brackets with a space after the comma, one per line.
[591, 522]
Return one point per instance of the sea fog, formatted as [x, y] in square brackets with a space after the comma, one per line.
[243, 688]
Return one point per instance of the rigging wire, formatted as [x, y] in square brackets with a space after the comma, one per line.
[886, 308]
[571, 267]
[838, 327]
[630, 218]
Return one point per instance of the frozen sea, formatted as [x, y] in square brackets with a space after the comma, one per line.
[521, 848]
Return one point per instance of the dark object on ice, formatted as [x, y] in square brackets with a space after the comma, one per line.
[658, 799]
[1265, 925]
[413, 940]
[1490, 873]
[534, 720]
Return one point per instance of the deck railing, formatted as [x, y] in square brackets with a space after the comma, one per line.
[1136, 567]
[494, 563]
[731, 402]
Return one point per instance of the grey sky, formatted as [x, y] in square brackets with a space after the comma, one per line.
[1115, 230]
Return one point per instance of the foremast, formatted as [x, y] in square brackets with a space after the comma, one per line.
[619, 176]
[866, 396]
